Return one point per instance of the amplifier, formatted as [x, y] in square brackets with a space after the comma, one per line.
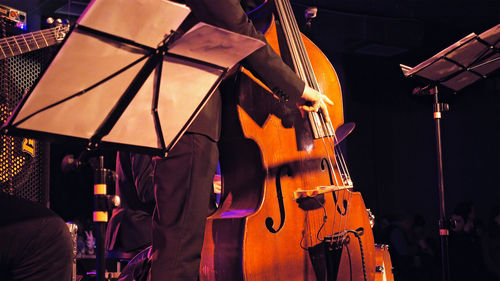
[24, 162]
[16, 16]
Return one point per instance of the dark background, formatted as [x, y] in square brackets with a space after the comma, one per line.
[391, 153]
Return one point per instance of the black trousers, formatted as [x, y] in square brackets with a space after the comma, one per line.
[35, 243]
[183, 184]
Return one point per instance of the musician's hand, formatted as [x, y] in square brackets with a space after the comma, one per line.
[217, 183]
[316, 100]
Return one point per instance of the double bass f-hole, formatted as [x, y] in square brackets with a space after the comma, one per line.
[325, 164]
[283, 170]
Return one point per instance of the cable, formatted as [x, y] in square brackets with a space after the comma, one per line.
[360, 249]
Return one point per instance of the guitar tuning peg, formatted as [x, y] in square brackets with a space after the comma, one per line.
[50, 20]
[59, 21]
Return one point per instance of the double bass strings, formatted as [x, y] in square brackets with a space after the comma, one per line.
[293, 37]
[293, 41]
[344, 177]
[304, 69]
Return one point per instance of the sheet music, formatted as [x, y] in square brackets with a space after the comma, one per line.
[439, 55]
[215, 45]
[146, 22]
[462, 63]
[492, 36]
[87, 59]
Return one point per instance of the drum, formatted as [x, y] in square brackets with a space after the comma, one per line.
[383, 264]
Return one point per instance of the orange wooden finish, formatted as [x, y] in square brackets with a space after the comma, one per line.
[255, 235]
[383, 263]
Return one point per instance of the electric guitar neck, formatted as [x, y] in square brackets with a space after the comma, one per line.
[23, 43]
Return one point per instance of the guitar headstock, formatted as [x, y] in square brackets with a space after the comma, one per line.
[61, 28]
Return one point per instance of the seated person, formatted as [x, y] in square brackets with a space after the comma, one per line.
[35, 242]
[129, 229]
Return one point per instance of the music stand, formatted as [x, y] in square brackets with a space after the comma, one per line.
[470, 59]
[103, 87]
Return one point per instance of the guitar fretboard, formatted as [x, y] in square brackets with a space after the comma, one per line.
[20, 44]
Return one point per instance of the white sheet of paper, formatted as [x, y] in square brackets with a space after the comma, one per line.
[82, 62]
[214, 45]
[146, 22]
[463, 63]
[439, 55]
[180, 94]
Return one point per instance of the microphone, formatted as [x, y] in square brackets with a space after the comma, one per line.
[70, 163]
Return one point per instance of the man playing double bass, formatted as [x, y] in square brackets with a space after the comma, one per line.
[183, 179]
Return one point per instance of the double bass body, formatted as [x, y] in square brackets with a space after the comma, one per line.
[265, 229]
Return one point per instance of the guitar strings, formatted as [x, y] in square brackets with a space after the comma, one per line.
[43, 38]
[46, 33]
[30, 38]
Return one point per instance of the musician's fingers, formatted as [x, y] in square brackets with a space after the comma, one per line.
[324, 111]
[326, 100]
[308, 108]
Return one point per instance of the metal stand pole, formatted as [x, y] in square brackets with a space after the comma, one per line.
[102, 203]
[100, 217]
[444, 225]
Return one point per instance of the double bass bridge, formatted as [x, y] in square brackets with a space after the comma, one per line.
[319, 190]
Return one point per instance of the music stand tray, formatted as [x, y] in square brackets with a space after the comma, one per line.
[470, 59]
[125, 79]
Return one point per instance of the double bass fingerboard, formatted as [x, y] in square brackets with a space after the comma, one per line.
[302, 64]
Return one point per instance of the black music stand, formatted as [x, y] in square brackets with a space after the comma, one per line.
[472, 58]
[119, 81]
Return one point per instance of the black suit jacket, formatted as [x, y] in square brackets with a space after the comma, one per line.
[265, 64]
[130, 225]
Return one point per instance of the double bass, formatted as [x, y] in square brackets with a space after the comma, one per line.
[288, 210]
